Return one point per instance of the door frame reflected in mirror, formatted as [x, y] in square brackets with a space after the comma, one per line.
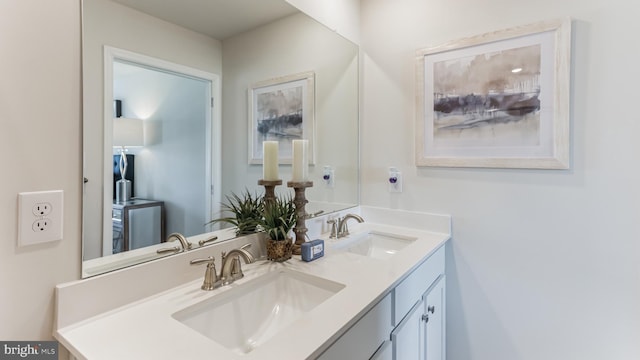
[213, 149]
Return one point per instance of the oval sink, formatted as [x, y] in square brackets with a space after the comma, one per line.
[375, 244]
[243, 318]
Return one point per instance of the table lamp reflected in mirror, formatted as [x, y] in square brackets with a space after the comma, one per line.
[127, 133]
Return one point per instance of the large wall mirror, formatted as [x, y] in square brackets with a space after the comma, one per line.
[184, 69]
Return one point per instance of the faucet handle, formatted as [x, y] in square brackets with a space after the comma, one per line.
[211, 280]
[334, 228]
[174, 249]
[209, 261]
[205, 241]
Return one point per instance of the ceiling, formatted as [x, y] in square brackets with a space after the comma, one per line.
[218, 19]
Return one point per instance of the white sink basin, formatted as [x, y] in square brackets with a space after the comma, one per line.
[243, 318]
[375, 244]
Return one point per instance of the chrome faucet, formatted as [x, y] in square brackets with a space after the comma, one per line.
[231, 265]
[342, 228]
[184, 244]
[231, 268]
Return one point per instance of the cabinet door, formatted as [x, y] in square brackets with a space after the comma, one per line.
[408, 337]
[434, 309]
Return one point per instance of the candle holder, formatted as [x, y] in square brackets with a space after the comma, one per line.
[269, 189]
[299, 200]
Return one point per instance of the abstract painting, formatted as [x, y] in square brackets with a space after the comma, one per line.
[496, 100]
[281, 109]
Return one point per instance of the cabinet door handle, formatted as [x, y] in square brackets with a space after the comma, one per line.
[431, 309]
[425, 317]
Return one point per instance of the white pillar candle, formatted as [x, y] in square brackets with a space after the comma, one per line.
[270, 160]
[300, 161]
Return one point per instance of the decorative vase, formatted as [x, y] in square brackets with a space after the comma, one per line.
[279, 250]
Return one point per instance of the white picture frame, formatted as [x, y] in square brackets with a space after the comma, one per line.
[282, 109]
[496, 100]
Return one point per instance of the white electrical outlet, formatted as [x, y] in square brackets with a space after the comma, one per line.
[40, 217]
[329, 176]
[42, 209]
[41, 225]
[395, 179]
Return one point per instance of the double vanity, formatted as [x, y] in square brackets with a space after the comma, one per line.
[376, 293]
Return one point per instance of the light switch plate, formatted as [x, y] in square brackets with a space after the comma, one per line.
[40, 217]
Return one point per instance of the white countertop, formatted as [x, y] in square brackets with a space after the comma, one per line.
[145, 328]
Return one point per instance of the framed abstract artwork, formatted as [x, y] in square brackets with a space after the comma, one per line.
[281, 109]
[497, 100]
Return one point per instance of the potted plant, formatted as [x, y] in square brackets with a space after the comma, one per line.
[279, 217]
[246, 209]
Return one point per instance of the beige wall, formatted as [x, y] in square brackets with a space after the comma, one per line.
[295, 44]
[543, 264]
[41, 140]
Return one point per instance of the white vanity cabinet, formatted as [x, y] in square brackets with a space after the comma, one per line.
[408, 324]
[419, 312]
[363, 339]
[420, 335]
[374, 307]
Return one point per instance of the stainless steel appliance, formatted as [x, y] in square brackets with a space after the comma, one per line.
[137, 223]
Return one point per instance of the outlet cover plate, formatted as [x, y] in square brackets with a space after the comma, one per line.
[36, 226]
[395, 180]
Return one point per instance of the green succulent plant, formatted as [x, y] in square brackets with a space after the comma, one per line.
[246, 210]
[279, 217]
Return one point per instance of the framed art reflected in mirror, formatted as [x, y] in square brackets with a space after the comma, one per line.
[282, 110]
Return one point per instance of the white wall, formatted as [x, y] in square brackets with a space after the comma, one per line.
[543, 264]
[342, 16]
[40, 137]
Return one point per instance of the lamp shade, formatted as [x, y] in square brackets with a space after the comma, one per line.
[127, 132]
